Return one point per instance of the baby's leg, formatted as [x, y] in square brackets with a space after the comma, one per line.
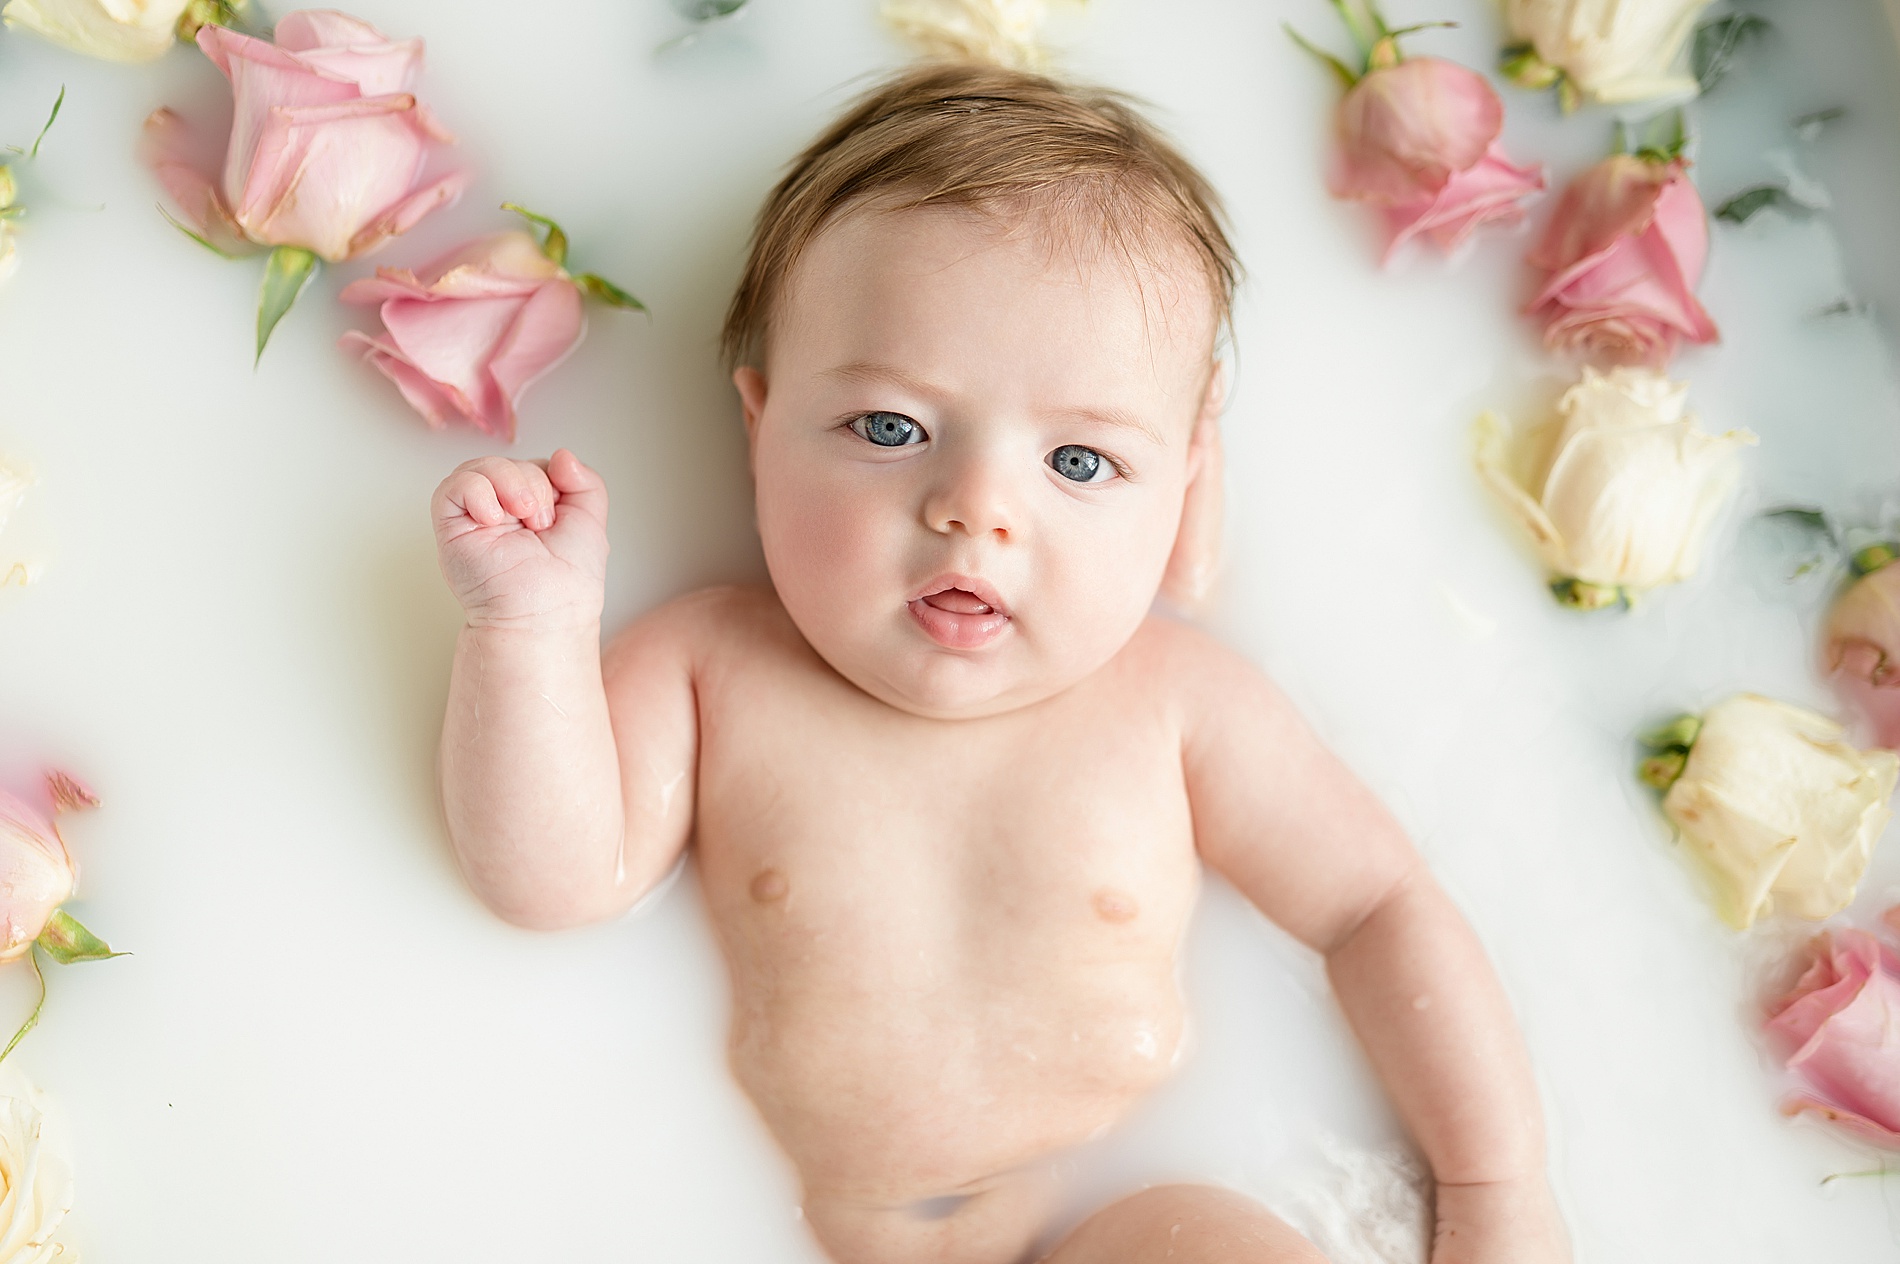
[1185, 1224]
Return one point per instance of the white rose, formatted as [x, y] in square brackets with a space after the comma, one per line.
[1610, 51]
[1619, 498]
[37, 1181]
[1002, 32]
[1783, 813]
[118, 30]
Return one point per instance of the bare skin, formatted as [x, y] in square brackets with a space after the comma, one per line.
[948, 783]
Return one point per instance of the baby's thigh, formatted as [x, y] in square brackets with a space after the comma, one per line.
[1185, 1224]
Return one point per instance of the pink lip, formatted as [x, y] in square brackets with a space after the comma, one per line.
[959, 612]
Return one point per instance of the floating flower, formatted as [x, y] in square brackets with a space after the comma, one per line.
[1418, 137]
[37, 876]
[119, 30]
[1625, 253]
[36, 1182]
[1861, 646]
[1610, 51]
[326, 153]
[1001, 32]
[1841, 1025]
[1619, 496]
[494, 315]
[1781, 811]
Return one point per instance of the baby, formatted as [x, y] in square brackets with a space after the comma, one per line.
[948, 779]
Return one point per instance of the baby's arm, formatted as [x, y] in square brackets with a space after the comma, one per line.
[1284, 820]
[561, 809]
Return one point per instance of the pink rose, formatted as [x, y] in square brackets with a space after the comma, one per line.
[36, 871]
[327, 145]
[1625, 252]
[1861, 649]
[1842, 1023]
[1420, 139]
[492, 317]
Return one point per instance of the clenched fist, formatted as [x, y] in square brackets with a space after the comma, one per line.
[523, 544]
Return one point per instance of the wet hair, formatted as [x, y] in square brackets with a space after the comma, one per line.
[989, 138]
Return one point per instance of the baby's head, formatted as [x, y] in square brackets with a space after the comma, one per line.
[976, 346]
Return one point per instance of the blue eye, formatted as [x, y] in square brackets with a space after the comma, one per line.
[888, 430]
[1081, 465]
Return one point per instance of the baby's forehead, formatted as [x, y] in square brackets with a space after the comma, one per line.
[937, 264]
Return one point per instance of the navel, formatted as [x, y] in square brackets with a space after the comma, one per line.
[769, 886]
[1113, 906]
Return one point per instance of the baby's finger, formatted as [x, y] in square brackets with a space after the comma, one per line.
[523, 489]
[580, 487]
[469, 494]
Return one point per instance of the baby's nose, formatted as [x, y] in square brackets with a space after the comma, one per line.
[974, 499]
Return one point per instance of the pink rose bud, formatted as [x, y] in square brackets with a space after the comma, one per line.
[1841, 1028]
[1861, 649]
[1420, 139]
[327, 145]
[36, 871]
[1625, 252]
[490, 319]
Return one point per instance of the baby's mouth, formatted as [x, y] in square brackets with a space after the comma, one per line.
[959, 614]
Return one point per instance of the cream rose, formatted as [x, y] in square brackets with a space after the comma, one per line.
[117, 30]
[1619, 493]
[1609, 51]
[1002, 32]
[1782, 813]
[36, 1183]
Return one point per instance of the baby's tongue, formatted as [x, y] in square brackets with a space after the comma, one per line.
[956, 601]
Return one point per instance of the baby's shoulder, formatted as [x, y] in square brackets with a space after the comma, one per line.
[709, 622]
[1193, 667]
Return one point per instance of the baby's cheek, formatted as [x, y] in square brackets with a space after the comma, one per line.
[825, 540]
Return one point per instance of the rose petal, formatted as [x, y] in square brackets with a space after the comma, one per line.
[325, 174]
[351, 49]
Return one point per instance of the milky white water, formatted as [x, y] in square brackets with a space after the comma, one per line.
[325, 1050]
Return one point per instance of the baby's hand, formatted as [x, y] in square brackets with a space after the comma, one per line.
[1501, 1223]
[523, 545]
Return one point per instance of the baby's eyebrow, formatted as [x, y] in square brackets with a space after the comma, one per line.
[890, 375]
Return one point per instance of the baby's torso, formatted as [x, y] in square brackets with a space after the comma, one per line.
[952, 944]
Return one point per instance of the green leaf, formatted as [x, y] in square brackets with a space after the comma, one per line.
[57, 102]
[1339, 68]
[607, 292]
[67, 942]
[1717, 43]
[1804, 518]
[1749, 203]
[554, 246]
[287, 271]
[32, 1019]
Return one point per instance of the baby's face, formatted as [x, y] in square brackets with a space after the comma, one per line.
[971, 448]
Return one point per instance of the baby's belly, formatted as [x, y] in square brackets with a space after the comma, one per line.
[888, 1097]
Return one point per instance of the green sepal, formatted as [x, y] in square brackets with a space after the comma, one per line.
[286, 272]
[67, 942]
[1663, 140]
[1679, 734]
[607, 292]
[1659, 772]
[202, 13]
[1344, 73]
[1745, 205]
[1875, 556]
[554, 245]
[1523, 67]
[1577, 594]
[1717, 43]
[196, 236]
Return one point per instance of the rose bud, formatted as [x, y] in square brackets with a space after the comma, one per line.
[1861, 646]
[493, 316]
[1625, 252]
[1841, 1027]
[325, 156]
[1782, 813]
[1619, 495]
[1420, 139]
[36, 871]
[1608, 51]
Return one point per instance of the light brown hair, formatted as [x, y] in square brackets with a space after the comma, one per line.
[955, 134]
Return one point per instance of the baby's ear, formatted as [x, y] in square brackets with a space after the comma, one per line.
[751, 384]
[1195, 562]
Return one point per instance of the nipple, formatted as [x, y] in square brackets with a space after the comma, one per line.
[769, 886]
[1113, 906]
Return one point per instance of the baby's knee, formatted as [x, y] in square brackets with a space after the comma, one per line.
[1185, 1224]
